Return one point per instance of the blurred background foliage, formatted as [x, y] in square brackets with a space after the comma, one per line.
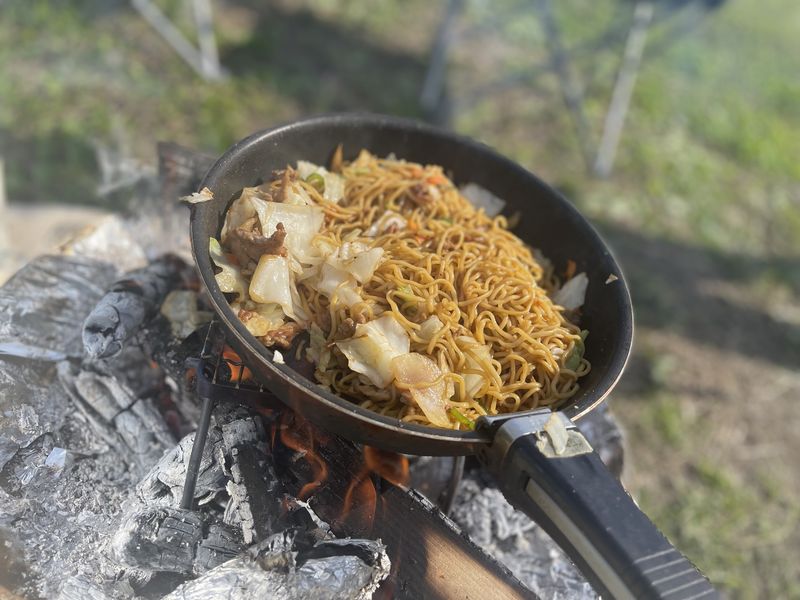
[703, 206]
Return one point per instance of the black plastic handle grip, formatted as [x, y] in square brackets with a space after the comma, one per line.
[583, 507]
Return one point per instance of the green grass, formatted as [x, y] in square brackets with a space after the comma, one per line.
[737, 527]
[733, 529]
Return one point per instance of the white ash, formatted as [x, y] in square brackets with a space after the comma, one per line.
[517, 542]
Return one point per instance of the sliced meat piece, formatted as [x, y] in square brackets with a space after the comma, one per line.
[423, 194]
[346, 329]
[248, 244]
[283, 335]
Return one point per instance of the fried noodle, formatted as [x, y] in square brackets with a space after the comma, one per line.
[452, 261]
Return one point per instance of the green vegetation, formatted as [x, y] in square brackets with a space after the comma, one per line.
[706, 190]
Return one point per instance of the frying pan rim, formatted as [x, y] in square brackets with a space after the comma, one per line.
[464, 440]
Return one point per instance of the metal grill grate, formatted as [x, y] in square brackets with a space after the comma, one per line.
[219, 377]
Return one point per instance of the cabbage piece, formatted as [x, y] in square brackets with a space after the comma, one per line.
[337, 285]
[203, 195]
[429, 328]
[240, 211]
[573, 361]
[334, 184]
[344, 268]
[297, 304]
[480, 197]
[271, 283]
[317, 351]
[420, 373]
[295, 195]
[543, 261]
[363, 266]
[573, 293]
[371, 350]
[262, 319]
[301, 223]
[474, 352]
[324, 246]
[386, 220]
[356, 259]
[230, 280]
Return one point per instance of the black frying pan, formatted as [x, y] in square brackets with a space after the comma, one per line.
[576, 500]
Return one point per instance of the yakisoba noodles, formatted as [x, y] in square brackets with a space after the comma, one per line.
[417, 304]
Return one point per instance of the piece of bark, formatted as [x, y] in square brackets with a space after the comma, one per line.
[129, 302]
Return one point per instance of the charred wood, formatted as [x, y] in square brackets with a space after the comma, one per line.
[129, 302]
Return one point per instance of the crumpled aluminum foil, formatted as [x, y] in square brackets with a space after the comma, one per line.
[279, 573]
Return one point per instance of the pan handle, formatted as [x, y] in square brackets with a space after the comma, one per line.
[546, 468]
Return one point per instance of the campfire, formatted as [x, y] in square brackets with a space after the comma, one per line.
[139, 457]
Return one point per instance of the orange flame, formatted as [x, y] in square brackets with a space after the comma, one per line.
[391, 466]
[298, 434]
[360, 503]
[239, 373]
[361, 499]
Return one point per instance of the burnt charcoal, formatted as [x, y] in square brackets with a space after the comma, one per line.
[255, 494]
[303, 517]
[42, 302]
[240, 428]
[116, 414]
[173, 356]
[221, 543]
[129, 302]
[163, 483]
[254, 488]
[160, 538]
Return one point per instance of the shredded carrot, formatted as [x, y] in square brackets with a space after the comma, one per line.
[436, 179]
